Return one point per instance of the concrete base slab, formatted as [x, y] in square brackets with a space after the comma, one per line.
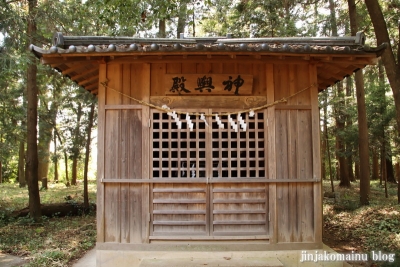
[88, 260]
[287, 258]
[221, 262]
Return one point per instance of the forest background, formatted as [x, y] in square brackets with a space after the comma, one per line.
[46, 121]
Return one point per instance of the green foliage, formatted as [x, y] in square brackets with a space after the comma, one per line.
[54, 242]
[372, 228]
[14, 198]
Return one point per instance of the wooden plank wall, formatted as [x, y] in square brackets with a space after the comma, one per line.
[123, 154]
[290, 143]
[294, 155]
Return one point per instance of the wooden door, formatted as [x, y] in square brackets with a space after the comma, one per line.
[239, 201]
[206, 181]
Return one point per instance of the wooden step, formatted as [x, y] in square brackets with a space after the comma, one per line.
[213, 262]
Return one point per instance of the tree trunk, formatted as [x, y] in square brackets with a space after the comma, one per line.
[65, 159]
[32, 99]
[397, 166]
[46, 126]
[323, 156]
[363, 142]
[329, 162]
[55, 158]
[1, 173]
[382, 111]
[76, 148]
[349, 123]
[182, 17]
[74, 171]
[357, 170]
[397, 171]
[350, 168]
[375, 165]
[389, 165]
[383, 160]
[333, 18]
[389, 170]
[66, 169]
[388, 58]
[21, 163]
[327, 140]
[45, 130]
[384, 171]
[161, 29]
[44, 184]
[340, 123]
[85, 173]
[44, 158]
[340, 118]
[337, 168]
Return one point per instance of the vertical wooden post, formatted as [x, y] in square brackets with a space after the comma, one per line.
[209, 174]
[145, 96]
[100, 153]
[316, 154]
[271, 153]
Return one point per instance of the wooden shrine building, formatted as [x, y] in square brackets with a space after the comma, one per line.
[208, 143]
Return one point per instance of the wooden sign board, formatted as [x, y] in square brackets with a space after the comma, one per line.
[208, 84]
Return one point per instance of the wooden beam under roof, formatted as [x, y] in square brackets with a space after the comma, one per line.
[330, 77]
[88, 81]
[67, 60]
[93, 86]
[213, 59]
[89, 71]
[65, 69]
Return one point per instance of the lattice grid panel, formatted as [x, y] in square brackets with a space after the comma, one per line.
[179, 153]
[239, 154]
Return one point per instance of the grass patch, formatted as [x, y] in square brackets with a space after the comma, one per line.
[55, 241]
[351, 227]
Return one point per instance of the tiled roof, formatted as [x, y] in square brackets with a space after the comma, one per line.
[337, 57]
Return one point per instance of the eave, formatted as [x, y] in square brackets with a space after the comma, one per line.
[80, 60]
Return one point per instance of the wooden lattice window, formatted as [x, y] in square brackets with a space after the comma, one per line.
[178, 152]
[181, 153]
[239, 154]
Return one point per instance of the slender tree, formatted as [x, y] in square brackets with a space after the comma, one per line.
[363, 144]
[182, 16]
[340, 124]
[21, 163]
[87, 154]
[340, 113]
[388, 57]
[55, 157]
[375, 164]
[47, 120]
[76, 148]
[32, 97]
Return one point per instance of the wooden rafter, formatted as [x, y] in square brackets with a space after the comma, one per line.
[89, 71]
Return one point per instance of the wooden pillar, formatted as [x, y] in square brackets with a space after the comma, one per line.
[271, 153]
[101, 153]
[145, 96]
[315, 128]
